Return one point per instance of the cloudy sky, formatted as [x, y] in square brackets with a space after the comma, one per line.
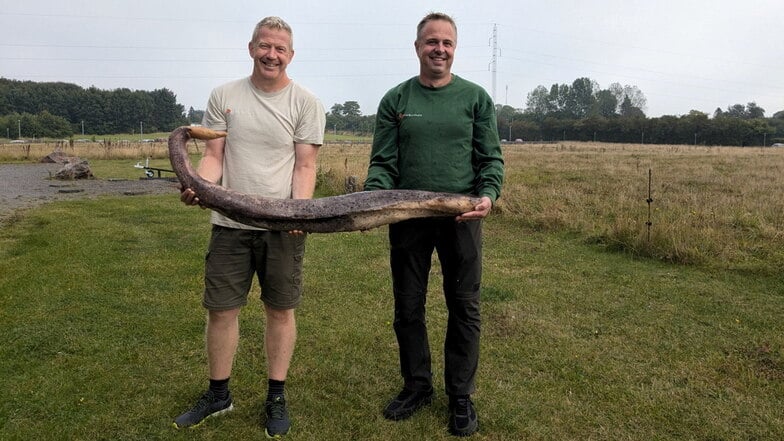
[682, 54]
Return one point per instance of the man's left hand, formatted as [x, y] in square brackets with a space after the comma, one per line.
[480, 211]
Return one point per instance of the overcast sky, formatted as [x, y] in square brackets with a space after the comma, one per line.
[683, 55]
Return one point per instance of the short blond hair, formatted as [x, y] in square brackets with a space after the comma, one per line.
[275, 23]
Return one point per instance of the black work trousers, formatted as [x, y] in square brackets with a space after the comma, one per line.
[459, 248]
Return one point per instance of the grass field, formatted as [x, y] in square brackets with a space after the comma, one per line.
[591, 330]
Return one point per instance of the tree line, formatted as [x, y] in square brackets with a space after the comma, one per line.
[583, 111]
[52, 109]
[348, 118]
[694, 128]
[580, 111]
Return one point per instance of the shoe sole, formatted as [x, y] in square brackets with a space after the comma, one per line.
[468, 431]
[409, 413]
[463, 434]
[277, 435]
[214, 414]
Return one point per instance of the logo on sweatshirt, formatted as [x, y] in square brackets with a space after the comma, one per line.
[400, 116]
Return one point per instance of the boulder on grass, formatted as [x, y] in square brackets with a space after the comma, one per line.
[75, 170]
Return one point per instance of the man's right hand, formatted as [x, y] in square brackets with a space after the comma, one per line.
[188, 197]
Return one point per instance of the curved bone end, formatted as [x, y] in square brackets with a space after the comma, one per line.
[204, 133]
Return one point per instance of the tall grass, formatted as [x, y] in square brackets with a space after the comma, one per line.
[715, 206]
[102, 149]
[123, 146]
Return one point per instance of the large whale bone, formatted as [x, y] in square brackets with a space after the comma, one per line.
[350, 212]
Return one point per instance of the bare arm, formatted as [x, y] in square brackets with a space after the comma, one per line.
[303, 183]
[210, 168]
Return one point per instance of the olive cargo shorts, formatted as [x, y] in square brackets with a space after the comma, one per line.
[235, 255]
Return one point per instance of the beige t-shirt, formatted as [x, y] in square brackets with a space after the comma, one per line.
[262, 129]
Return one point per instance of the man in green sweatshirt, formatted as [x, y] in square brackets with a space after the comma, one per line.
[437, 132]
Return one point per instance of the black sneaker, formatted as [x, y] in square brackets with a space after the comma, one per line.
[277, 423]
[406, 403]
[462, 417]
[207, 406]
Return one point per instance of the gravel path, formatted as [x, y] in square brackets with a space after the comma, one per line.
[27, 185]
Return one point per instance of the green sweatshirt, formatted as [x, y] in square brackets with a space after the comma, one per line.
[437, 139]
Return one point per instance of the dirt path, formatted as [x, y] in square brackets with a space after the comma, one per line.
[27, 185]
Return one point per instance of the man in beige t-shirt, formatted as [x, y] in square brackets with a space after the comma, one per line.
[275, 128]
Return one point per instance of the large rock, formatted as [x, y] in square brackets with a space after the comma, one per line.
[58, 157]
[78, 169]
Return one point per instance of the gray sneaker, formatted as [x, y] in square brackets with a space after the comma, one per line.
[207, 406]
[278, 423]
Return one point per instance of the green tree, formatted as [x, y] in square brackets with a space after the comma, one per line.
[101, 111]
[580, 98]
[166, 114]
[351, 109]
[736, 111]
[695, 123]
[505, 116]
[52, 126]
[337, 109]
[605, 104]
[525, 130]
[348, 117]
[5, 105]
[754, 111]
[538, 103]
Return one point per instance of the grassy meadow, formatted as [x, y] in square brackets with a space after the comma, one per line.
[596, 326]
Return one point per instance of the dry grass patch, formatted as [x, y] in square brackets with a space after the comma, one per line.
[720, 206]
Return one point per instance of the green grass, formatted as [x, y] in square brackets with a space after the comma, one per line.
[103, 337]
[124, 168]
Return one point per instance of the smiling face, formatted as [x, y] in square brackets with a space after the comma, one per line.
[435, 48]
[271, 52]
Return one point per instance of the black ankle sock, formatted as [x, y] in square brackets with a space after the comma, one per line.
[220, 388]
[275, 388]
